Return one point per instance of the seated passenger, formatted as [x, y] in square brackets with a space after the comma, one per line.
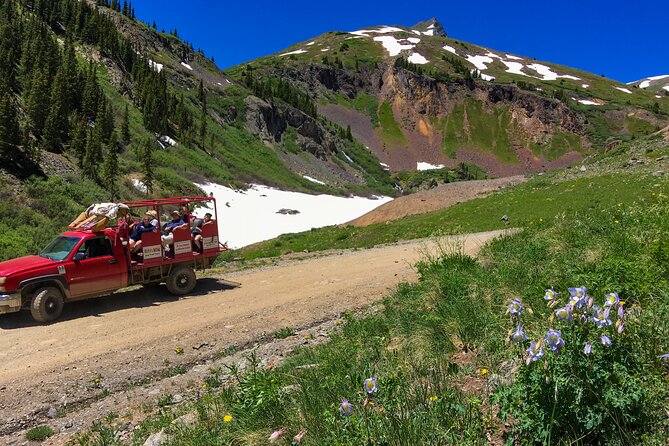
[197, 232]
[140, 228]
[169, 227]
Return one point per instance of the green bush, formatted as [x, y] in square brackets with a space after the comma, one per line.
[39, 433]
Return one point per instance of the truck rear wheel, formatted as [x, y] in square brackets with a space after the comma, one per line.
[181, 280]
[46, 304]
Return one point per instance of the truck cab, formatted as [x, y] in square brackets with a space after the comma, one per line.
[84, 263]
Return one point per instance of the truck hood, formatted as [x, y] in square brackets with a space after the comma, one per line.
[24, 264]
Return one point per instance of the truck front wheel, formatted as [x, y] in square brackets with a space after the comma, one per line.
[46, 304]
[181, 280]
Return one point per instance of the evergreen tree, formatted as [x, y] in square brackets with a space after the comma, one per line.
[148, 164]
[203, 118]
[79, 140]
[37, 104]
[125, 127]
[10, 133]
[110, 167]
[93, 155]
[56, 128]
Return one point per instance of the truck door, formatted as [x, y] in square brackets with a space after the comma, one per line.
[93, 268]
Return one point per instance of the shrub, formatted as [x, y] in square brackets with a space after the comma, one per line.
[39, 433]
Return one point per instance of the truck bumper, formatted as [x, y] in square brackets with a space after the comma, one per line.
[10, 303]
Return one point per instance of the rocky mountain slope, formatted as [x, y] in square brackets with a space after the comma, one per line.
[414, 95]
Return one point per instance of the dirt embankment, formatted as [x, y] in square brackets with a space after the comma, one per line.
[440, 197]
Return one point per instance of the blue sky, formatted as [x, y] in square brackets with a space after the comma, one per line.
[621, 40]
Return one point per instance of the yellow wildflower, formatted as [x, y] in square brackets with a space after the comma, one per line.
[484, 372]
[227, 418]
[433, 398]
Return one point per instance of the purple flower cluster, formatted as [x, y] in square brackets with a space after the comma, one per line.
[580, 307]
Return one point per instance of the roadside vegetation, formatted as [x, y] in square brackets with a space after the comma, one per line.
[558, 334]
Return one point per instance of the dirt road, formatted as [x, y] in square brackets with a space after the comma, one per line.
[63, 373]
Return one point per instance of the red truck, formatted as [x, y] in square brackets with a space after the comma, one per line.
[85, 263]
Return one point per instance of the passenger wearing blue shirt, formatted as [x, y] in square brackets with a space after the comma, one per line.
[169, 227]
[135, 240]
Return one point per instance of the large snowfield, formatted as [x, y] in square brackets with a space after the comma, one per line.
[250, 216]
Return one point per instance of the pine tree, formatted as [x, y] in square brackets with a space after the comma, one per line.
[110, 167]
[93, 155]
[125, 127]
[37, 104]
[79, 140]
[10, 133]
[148, 164]
[203, 118]
[57, 125]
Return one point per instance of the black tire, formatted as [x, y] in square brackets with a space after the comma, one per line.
[181, 280]
[47, 304]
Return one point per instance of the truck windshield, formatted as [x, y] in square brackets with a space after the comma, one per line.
[59, 248]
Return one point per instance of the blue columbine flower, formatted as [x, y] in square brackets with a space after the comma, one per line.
[534, 352]
[515, 307]
[620, 327]
[588, 348]
[518, 335]
[578, 296]
[601, 318]
[665, 356]
[611, 300]
[345, 408]
[554, 340]
[605, 340]
[564, 313]
[370, 385]
[621, 311]
[550, 296]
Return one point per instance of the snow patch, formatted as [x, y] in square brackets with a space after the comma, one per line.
[384, 30]
[384, 166]
[666, 87]
[644, 84]
[514, 67]
[585, 86]
[155, 65]
[587, 102]
[325, 49]
[167, 140]
[658, 96]
[493, 55]
[392, 45]
[139, 185]
[624, 90]
[348, 158]
[413, 39]
[311, 43]
[427, 166]
[246, 217]
[187, 66]
[479, 61]
[512, 57]
[487, 77]
[293, 52]
[313, 180]
[415, 31]
[417, 59]
[450, 49]
[429, 32]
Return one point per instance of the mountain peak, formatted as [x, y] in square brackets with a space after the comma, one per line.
[430, 27]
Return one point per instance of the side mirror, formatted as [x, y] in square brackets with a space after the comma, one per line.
[79, 256]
